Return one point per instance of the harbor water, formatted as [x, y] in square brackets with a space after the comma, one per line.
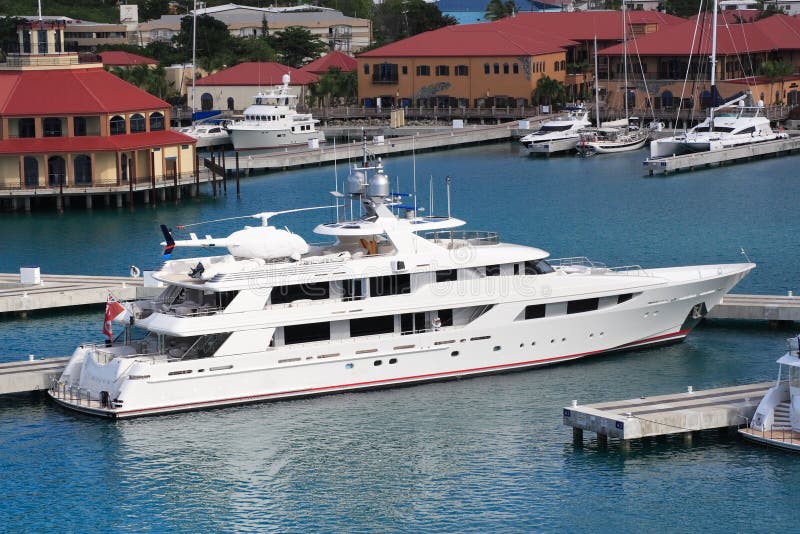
[469, 455]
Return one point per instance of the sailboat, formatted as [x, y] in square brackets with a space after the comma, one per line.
[210, 131]
[734, 123]
[612, 138]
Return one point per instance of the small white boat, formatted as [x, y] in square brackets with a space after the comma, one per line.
[207, 133]
[559, 134]
[777, 418]
[272, 122]
[612, 140]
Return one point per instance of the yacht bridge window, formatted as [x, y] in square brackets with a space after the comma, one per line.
[369, 326]
[314, 291]
[538, 267]
[305, 333]
[398, 284]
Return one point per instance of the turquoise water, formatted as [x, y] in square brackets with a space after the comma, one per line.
[480, 454]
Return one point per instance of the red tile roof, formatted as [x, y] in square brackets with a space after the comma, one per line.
[334, 59]
[778, 32]
[258, 73]
[118, 58]
[60, 145]
[486, 39]
[586, 25]
[70, 91]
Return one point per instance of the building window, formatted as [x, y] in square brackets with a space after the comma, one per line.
[505, 68]
[462, 70]
[56, 171]
[366, 68]
[230, 103]
[42, 34]
[31, 169]
[27, 127]
[51, 127]
[117, 125]
[82, 166]
[384, 73]
[26, 41]
[405, 69]
[57, 43]
[206, 102]
[497, 68]
[423, 70]
[79, 126]
[124, 167]
[156, 121]
[555, 66]
[137, 123]
[486, 68]
[516, 68]
[442, 70]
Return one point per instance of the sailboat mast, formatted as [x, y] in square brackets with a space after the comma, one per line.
[625, 60]
[194, 56]
[713, 63]
[596, 87]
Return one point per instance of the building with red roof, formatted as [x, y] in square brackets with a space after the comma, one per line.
[118, 58]
[682, 52]
[234, 88]
[331, 60]
[72, 126]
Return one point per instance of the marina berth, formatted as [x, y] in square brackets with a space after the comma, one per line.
[394, 298]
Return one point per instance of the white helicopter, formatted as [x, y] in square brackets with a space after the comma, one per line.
[264, 242]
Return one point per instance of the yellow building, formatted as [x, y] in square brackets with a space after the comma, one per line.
[73, 126]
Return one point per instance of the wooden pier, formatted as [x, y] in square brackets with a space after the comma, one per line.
[666, 165]
[679, 413]
[59, 291]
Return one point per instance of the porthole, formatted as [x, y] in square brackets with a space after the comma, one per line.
[348, 366]
[521, 345]
[454, 353]
[533, 343]
[376, 363]
[496, 348]
[591, 335]
[563, 339]
[393, 360]
[552, 341]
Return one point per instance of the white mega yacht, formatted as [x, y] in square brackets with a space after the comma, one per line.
[559, 134]
[777, 418]
[395, 298]
[272, 122]
[208, 134]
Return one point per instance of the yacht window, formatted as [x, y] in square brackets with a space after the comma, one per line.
[305, 333]
[225, 297]
[535, 311]
[492, 270]
[412, 322]
[446, 317]
[583, 305]
[315, 291]
[751, 129]
[624, 298]
[537, 267]
[555, 127]
[380, 286]
[447, 275]
[369, 326]
[351, 289]
[516, 268]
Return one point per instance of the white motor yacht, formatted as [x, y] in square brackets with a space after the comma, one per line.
[207, 133]
[730, 125]
[272, 122]
[559, 134]
[777, 418]
[395, 298]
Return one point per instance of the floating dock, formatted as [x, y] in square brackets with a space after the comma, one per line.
[757, 308]
[666, 165]
[680, 413]
[27, 376]
[58, 291]
[418, 140]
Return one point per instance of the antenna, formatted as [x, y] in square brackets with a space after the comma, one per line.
[194, 57]
[414, 165]
[430, 197]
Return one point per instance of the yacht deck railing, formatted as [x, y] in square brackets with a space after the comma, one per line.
[462, 238]
[583, 264]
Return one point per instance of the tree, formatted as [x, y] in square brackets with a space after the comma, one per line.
[548, 90]
[296, 46]
[8, 35]
[335, 85]
[497, 9]
[351, 8]
[152, 80]
[214, 40]
[774, 70]
[398, 19]
[153, 9]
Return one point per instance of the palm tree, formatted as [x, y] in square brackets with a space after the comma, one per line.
[774, 70]
[548, 90]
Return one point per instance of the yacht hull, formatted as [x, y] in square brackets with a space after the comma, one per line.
[497, 341]
[258, 139]
[613, 147]
[553, 146]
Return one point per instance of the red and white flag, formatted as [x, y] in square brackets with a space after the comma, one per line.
[113, 311]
